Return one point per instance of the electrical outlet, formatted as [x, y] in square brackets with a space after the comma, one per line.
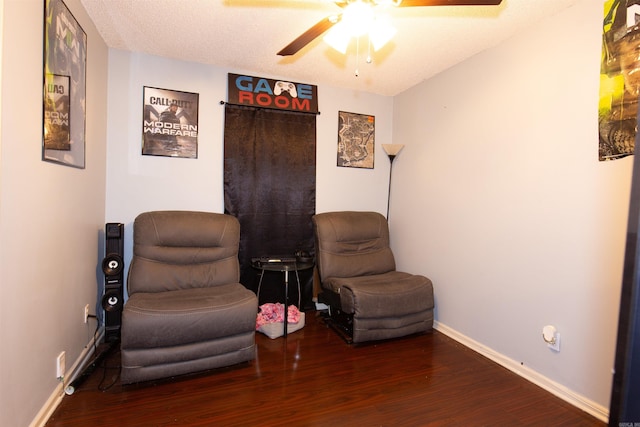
[555, 345]
[86, 313]
[552, 337]
[60, 365]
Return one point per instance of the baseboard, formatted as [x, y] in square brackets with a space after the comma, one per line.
[564, 393]
[58, 393]
[50, 405]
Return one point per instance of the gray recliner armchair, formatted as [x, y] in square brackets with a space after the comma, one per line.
[366, 296]
[186, 311]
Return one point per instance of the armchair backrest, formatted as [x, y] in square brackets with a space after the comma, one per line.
[350, 244]
[183, 249]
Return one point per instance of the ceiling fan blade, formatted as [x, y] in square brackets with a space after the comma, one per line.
[308, 36]
[415, 3]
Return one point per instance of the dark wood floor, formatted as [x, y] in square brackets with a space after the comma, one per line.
[313, 378]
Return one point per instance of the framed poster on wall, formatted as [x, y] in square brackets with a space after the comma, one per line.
[64, 88]
[170, 123]
[356, 140]
[57, 134]
[619, 79]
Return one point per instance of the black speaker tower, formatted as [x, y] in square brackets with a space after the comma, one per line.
[113, 269]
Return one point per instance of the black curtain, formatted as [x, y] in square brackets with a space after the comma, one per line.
[270, 186]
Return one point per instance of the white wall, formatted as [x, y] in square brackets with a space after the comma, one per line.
[137, 183]
[50, 217]
[501, 200]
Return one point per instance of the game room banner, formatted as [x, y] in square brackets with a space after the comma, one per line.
[619, 79]
[277, 94]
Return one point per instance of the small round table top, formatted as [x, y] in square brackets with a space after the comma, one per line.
[277, 264]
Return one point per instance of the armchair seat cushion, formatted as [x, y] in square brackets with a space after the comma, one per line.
[390, 294]
[164, 319]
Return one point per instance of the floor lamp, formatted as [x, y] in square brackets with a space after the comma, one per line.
[392, 151]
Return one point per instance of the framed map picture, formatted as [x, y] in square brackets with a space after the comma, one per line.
[356, 140]
[64, 95]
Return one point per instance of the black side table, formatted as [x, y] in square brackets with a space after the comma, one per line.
[284, 265]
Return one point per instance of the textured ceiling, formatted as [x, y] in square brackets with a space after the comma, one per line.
[244, 36]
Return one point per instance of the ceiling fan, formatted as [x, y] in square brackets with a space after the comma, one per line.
[351, 7]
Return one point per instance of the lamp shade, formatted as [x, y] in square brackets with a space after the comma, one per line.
[392, 149]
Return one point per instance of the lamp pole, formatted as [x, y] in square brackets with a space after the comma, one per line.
[391, 157]
[392, 151]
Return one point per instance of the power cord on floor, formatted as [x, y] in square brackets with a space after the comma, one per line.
[102, 359]
[114, 379]
[99, 361]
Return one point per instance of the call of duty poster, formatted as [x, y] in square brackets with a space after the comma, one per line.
[56, 113]
[170, 123]
[65, 57]
[619, 79]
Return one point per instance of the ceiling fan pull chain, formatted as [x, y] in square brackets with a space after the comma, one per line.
[357, 55]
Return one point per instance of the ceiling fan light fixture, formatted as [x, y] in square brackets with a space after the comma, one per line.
[357, 20]
[358, 17]
[386, 3]
[338, 37]
[381, 32]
